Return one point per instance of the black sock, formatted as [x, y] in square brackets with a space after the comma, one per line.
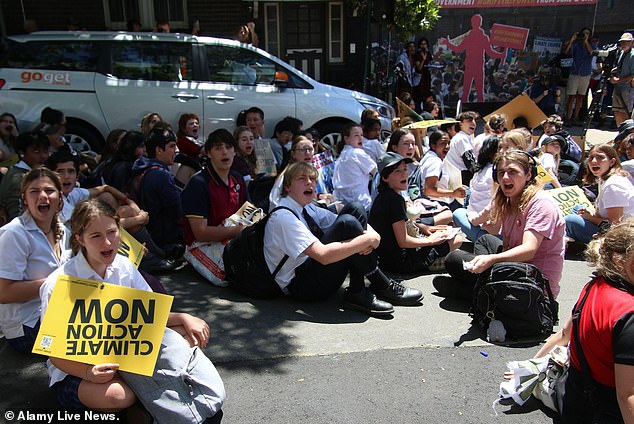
[378, 280]
[357, 283]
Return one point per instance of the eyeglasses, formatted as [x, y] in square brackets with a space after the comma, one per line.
[305, 150]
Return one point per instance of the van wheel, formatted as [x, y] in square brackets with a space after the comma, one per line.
[78, 134]
[330, 133]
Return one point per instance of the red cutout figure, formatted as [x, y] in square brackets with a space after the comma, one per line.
[475, 44]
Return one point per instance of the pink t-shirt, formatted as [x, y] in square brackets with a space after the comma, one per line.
[544, 217]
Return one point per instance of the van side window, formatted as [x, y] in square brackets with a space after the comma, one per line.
[62, 56]
[152, 61]
[228, 64]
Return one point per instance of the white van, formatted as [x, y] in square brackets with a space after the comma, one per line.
[108, 80]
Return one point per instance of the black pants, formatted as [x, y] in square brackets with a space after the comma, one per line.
[577, 408]
[485, 245]
[314, 281]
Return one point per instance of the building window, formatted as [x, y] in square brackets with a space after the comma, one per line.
[272, 28]
[335, 32]
[118, 12]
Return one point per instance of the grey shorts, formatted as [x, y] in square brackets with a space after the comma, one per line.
[623, 98]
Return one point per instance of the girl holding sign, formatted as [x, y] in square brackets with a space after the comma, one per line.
[35, 240]
[615, 199]
[95, 239]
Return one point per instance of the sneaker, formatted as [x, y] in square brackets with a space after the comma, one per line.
[448, 287]
[398, 294]
[365, 301]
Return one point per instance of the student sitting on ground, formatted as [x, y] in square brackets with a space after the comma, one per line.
[33, 151]
[80, 386]
[399, 251]
[461, 154]
[371, 138]
[157, 192]
[321, 247]
[32, 247]
[549, 157]
[353, 169]
[212, 195]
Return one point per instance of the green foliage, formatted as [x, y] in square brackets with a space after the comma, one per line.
[410, 16]
[413, 16]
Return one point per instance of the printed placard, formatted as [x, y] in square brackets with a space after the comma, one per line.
[543, 177]
[567, 197]
[509, 36]
[94, 322]
[130, 247]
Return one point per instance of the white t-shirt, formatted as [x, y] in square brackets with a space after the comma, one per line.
[481, 189]
[351, 177]
[431, 166]
[121, 272]
[478, 142]
[373, 148]
[460, 143]
[616, 192]
[26, 255]
[547, 161]
[287, 235]
[75, 196]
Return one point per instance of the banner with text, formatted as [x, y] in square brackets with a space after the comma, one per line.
[547, 46]
[510, 3]
[95, 322]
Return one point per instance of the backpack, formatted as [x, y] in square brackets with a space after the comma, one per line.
[136, 186]
[517, 294]
[245, 267]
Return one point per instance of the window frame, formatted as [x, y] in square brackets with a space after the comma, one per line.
[331, 57]
[146, 16]
[277, 50]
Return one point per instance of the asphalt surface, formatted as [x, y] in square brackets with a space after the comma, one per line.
[287, 362]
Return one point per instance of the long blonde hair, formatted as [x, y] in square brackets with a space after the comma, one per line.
[614, 251]
[502, 205]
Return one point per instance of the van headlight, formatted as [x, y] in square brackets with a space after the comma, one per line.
[385, 111]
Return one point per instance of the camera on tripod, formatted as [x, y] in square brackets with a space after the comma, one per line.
[606, 51]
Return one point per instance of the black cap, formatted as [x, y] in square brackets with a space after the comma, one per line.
[391, 159]
[552, 139]
[624, 129]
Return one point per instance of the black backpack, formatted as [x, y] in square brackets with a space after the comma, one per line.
[517, 294]
[245, 266]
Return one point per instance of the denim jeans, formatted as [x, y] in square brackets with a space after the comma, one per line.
[471, 231]
[579, 228]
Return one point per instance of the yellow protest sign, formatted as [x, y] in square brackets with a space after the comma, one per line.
[95, 322]
[130, 248]
[543, 177]
[430, 123]
[567, 197]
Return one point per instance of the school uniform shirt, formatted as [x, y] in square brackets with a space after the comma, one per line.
[547, 161]
[75, 196]
[388, 208]
[287, 235]
[544, 217]
[431, 166]
[373, 148]
[460, 145]
[617, 191]
[351, 178]
[121, 272]
[481, 186]
[207, 196]
[26, 255]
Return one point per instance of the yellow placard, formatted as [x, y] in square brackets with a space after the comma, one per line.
[430, 123]
[521, 105]
[94, 322]
[567, 197]
[543, 177]
[130, 248]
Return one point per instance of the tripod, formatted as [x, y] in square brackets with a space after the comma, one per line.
[595, 105]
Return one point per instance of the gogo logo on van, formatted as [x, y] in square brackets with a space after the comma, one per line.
[55, 78]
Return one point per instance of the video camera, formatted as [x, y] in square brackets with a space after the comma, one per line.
[606, 51]
[607, 57]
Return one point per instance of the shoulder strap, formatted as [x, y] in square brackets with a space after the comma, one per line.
[285, 258]
[589, 387]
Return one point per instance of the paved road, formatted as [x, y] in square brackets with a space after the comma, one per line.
[289, 362]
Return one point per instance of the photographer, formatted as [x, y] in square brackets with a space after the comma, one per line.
[579, 48]
[622, 74]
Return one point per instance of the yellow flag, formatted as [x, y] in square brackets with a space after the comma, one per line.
[95, 322]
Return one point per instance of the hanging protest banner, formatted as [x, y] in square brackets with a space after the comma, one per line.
[96, 323]
[567, 197]
[130, 248]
